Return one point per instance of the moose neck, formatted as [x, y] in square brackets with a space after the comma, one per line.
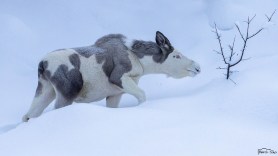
[151, 67]
[150, 56]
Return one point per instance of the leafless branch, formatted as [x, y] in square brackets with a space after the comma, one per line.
[232, 62]
[246, 59]
[245, 39]
[255, 33]
[240, 32]
[221, 68]
[234, 71]
[233, 81]
[269, 18]
[232, 53]
[249, 21]
[217, 52]
[220, 44]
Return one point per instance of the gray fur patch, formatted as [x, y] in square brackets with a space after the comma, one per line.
[42, 70]
[112, 52]
[116, 61]
[47, 74]
[88, 51]
[68, 83]
[142, 48]
[75, 60]
[39, 89]
[111, 39]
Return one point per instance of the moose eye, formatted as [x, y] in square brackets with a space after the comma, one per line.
[177, 56]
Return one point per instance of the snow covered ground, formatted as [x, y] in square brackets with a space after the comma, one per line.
[205, 115]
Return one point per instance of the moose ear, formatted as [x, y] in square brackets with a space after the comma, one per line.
[163, 42]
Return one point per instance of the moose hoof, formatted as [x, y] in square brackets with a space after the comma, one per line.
[25, 118]
[142, 100]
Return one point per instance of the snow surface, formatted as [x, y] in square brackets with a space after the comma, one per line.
[205, 115]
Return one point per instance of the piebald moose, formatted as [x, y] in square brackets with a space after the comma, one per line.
[107, 69]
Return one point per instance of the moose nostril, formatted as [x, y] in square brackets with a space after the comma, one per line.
[197, 69]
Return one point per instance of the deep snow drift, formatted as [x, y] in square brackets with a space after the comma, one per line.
[205, 115]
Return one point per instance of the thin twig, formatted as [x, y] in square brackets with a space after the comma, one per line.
[234, 71]
[246, 59]
[269, 18]
[221, 68]
[232, 49]
[233, 81]
[255, 33]
[240, 32]
[220, 44]
[249, 21]
[217, 52]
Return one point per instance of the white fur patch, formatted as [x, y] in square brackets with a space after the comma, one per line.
[129, 43]
[55, 59]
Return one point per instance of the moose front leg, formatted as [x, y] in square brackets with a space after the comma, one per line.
[130, 86]
[113, 101]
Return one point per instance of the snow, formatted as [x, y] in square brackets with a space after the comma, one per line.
[205, 115]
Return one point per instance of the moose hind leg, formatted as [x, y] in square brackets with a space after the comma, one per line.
[45, 94]
[61, 101]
